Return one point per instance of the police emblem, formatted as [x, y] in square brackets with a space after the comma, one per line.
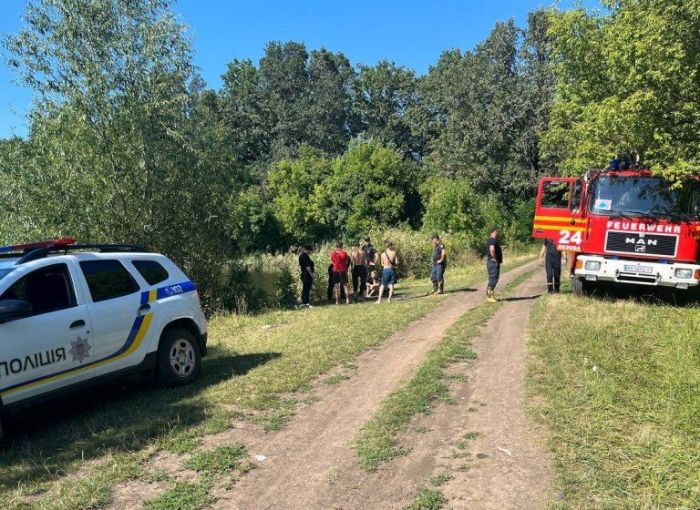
[80, 349]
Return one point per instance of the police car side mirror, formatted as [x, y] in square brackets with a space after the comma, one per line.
[12, 309]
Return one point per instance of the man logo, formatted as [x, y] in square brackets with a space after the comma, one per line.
[641, 242]
[640, 248]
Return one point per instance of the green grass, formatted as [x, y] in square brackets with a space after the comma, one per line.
[182, 496]
[336, 379]
[378, 439]
[221, 460]
[428, 499]
[618, 385]
[441, 479]
[259, 368]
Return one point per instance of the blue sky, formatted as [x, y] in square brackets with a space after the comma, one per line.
[412, 33]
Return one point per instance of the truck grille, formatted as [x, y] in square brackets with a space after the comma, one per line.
[641, 244]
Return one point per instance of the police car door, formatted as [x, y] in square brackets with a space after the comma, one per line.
[119, 321]
[49, 347]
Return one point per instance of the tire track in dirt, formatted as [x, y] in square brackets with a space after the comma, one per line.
[307, 460]
[497, 458]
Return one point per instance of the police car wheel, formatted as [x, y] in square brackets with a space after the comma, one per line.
[179, 358]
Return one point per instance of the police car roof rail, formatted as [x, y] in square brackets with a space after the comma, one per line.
[39, 253]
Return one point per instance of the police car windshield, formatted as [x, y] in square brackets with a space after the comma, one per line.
[640, 197]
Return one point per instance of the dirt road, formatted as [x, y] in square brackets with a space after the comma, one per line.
[310, 465]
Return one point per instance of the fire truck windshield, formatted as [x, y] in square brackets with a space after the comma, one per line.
[641, 196]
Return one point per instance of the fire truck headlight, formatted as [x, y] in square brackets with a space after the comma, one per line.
[592, 265]
[684, 274]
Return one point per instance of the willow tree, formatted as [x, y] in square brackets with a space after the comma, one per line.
[118, 149]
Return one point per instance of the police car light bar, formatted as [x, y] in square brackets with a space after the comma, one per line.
[53, 243]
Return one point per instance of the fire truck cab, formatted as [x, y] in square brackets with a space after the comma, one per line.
[623, 227]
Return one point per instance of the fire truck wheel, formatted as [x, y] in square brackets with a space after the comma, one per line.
[581, 287]
[670, 296]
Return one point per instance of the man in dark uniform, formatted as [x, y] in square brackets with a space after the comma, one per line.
[306, 266]
[494, 259]
[437, 273]
[552, 265]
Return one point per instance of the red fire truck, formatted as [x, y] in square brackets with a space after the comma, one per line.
[623, 227]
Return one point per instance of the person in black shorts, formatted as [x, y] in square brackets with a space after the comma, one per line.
[359, 270]
[370, 255]
[341, 263]
[306, 267]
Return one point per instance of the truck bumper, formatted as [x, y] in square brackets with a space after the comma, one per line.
[677, 274]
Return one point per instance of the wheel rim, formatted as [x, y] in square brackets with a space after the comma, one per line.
[182, 357]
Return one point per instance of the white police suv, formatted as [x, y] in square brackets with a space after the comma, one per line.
[72, 314]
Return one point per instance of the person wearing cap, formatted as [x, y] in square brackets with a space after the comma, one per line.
[437, 273]
[494, 259]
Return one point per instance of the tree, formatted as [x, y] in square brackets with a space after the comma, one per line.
[452, 206]
[476, 98]
[369, 185]
[627, 80]
[330, 101]
[384, 97]
[284, 82]
[243, 113]
[536, 88]
[118, 149]
[292, 184]
[489, 108]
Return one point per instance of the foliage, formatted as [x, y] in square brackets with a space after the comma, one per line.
[293, 184]
[369, 185]
[452, 206]
[627, 80]
[286, 288]
[489, 107]
[318, 198]
[120, 148]
[385, 95]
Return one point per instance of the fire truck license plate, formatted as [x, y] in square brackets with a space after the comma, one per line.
[638, 269]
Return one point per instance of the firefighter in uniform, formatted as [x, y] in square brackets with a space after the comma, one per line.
[494, 259]
[552, 265]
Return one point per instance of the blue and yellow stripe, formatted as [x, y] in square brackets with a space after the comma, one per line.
[134, 340]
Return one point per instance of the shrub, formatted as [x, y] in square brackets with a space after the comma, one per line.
[286, 288]
[241, 291]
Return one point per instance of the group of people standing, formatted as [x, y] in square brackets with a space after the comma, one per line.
[372, 271]
[363, 266]
[364, 263]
